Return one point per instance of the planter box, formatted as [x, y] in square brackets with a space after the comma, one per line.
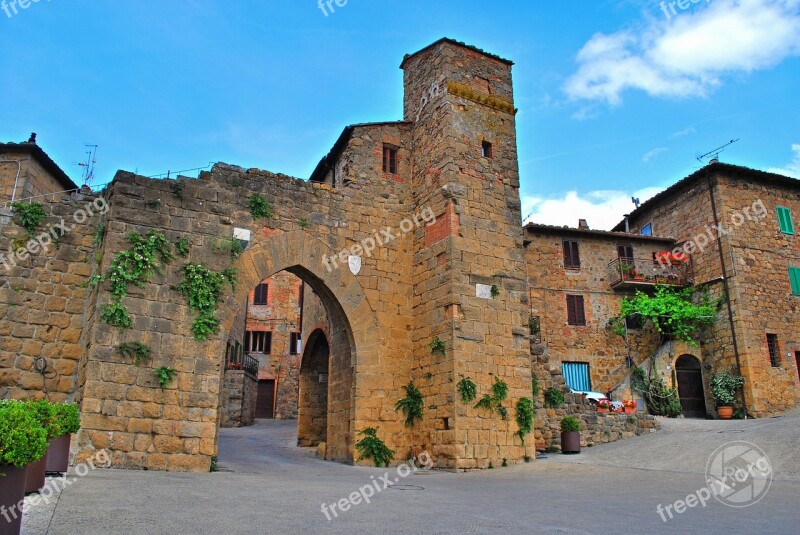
[12, 492]
[58, 455]
[571, 442]
[35, 477]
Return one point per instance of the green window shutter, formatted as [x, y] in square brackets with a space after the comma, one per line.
[785, 220]
[794, 277]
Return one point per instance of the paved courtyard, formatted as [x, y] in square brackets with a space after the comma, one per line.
[267, 485]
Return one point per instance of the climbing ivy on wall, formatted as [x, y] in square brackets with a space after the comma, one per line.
[494, 402]
[203, 289]
[134, 266]
[525, 412]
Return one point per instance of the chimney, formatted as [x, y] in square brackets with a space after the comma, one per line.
[583, 224]
[32, 139]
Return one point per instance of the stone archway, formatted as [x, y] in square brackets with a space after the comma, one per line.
[354, 335]
[312, 405]
[689, 374]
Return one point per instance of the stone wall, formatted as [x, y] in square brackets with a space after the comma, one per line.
[238, 399]
[33, 180]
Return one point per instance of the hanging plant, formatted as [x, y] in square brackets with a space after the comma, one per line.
[467, 389]
[203, 289]
[411, 405]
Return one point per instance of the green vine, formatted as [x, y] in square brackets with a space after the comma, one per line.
[437, 346]
[411, 405]
[203, 289]
[99, 236]
[494, 402]
[134, 266]
[30, 215]
[467, 389]
[553, 397]
[230, 246]
[137, 351]
[677, 312]
[371, 447]
[259, 206]
[183, 246]
[525, 413]
[659, 398]
[164, 375]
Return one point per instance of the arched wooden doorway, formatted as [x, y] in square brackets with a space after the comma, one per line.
[690, 386]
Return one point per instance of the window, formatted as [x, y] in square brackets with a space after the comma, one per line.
[260, 296]
[647, 230]
[577, 376]
[572, 257]
[625, 251]
[389, 160]
[294, 344]
[794, 278]
[576, 314]
[785, 220]
[635, 322]
[486, 150]
[258, 342]
[774, 350]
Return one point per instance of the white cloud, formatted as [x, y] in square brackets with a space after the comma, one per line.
[689, 54]
[649, 155]
[791, 169]
[602, 209]
[683, 133]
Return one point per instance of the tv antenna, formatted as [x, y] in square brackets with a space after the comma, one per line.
[636, 201]
[88, 165]
[713, 155]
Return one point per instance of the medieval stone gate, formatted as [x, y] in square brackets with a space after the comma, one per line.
[408, 232]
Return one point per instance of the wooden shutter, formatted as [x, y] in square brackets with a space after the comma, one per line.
[625, 251]
[260, 297]
[785, 220]
[794, 278]
[576, 314]
[572, 257]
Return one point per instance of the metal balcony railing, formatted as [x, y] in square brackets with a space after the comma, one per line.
[627, 273]
[244, 362]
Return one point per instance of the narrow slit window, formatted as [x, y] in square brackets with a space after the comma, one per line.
[389, 160]
[486, 150]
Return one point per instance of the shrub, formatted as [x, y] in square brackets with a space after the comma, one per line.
[69, 419]
[724, 387]
[371, 447]
[467, 389]
[259, 207]
[22, 439]
[411, 405]
[43, 411]
[570, 424]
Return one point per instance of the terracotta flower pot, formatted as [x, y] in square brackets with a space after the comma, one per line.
[602, 409]
[12, 492]
[571, 442]
[725, 413]
[630, 410]
[58, 455]
[35, 477]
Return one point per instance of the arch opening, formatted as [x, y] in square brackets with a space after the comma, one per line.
[689, 375]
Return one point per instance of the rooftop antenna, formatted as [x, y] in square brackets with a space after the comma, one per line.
[88, 165]
[636, 201]
[714, 154]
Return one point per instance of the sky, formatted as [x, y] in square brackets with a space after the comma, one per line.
[616, 98]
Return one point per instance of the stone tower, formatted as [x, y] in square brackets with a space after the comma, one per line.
[469, 271]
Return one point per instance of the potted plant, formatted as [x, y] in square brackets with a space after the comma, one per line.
[724, 387]
[69, 422]
[603, 405]
[22, 441]
[570, 435]
[43, 411]
[629, 405]
[626, 270]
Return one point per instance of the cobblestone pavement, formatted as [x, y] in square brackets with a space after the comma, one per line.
[267, 485]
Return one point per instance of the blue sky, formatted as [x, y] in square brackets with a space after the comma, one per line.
[616, 98]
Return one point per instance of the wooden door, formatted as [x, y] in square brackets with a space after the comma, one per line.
[265, 401]
[690, 387]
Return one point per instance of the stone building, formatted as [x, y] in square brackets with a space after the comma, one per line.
[738, 225]
[27, 171]
[414, 269]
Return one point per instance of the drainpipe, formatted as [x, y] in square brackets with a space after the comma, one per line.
[726, 285]
[16, 180]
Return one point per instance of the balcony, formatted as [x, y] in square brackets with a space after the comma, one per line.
[643, 273]
[243, 362]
